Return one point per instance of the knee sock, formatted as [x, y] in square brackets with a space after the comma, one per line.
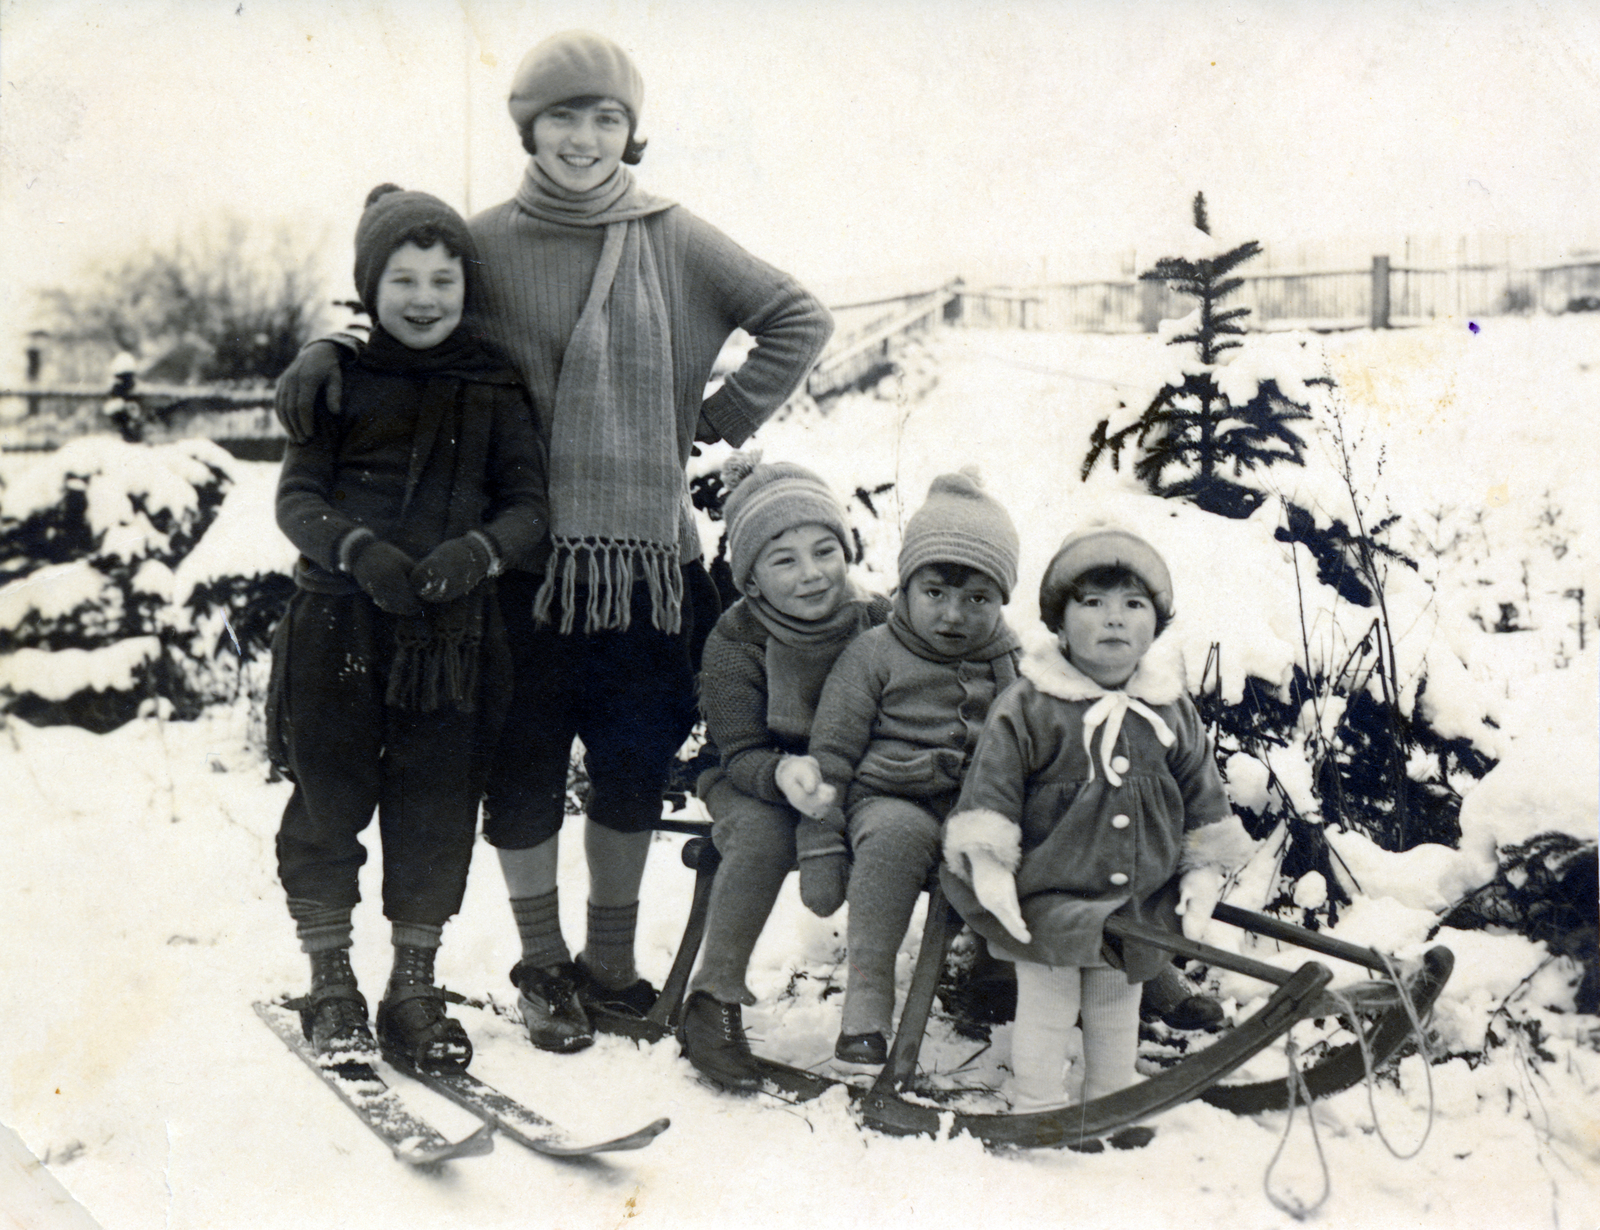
[320, 927]
[538, 922]
[1047, 1010]
[1110, 1031]
[608, 944]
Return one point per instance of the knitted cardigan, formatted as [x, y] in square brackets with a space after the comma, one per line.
[891, 722]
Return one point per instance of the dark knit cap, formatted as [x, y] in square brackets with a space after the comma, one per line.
[391, 217]
[961, 523]
[1102, 546]
[574, 64]
[766, 499]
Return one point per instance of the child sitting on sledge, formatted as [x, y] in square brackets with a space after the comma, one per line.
[1093, 791]
[762, 672]
[898, 720]
[390, 667]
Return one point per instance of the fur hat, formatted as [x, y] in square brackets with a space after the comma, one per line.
[390, 217]
[765, 499]
[1101, 546]
[961, 523]
[573, 64]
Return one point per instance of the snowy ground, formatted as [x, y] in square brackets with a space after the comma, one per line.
[140, 913]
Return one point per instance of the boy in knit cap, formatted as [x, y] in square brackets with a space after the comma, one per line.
[613, 305]
[763, 670]
[390, 667]
[898, 719]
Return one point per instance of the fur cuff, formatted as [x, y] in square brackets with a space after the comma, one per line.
[980, 833]
[1223, 845]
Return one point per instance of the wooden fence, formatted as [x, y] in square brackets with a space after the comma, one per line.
[1382, 296]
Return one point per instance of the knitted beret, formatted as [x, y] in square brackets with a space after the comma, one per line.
[1101, 546]
[961, 523]
[391, 214]
[766, 499]
[572, 65]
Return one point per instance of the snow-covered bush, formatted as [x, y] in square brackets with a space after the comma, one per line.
[110, 600]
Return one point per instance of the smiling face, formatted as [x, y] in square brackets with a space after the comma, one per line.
[801, 572]
[1106, 631]
[955, 618]
[579, 145]
[420, 295]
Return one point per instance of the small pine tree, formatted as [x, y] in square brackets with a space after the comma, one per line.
[1193, 442]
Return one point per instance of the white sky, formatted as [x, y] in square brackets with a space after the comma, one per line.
[856, 143]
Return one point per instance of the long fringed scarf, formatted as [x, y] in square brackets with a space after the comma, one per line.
[436, 654]
[800, 653]
[617, 488]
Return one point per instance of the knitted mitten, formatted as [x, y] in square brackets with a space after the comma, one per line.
[824, 862]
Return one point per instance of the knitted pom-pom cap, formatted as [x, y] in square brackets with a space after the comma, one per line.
[961, 523]
[765, 499]
[738, 466]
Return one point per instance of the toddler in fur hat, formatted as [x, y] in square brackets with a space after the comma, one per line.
[762, 672]
[898, 719]
[1094, 790]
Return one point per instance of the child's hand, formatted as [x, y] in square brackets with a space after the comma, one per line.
[314, 370]
[800, 779]
[1198, 893]
[996, 890]
[383, 571]
[452, 568]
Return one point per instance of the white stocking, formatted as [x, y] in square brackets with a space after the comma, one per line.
[1110, 1030]
[1047, 1011]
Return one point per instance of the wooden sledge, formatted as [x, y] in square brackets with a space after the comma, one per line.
[1381, 1012]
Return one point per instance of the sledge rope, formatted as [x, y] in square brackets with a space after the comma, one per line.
[1288, 1203]
[1297, 1087]
[1422, 1049]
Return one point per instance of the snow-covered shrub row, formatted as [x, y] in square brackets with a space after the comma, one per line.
[109, 602]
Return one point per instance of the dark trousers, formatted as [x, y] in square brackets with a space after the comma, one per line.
[628, 695]
[350, 753]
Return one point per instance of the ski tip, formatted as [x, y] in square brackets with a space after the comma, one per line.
[619, 1144]
[475, 1145]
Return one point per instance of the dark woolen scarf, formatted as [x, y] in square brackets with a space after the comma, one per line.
[436, 653]
[617, 492]
[800, 653]
[1000, 650]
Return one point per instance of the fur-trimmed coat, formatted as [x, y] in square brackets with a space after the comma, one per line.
[1096, 800]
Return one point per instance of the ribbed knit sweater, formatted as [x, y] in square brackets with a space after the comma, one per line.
[733, 698]
[536, 277]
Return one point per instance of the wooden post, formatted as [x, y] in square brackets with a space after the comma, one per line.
[1380, 292]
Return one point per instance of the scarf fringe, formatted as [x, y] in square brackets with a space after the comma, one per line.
[434, 667]
[610, 570]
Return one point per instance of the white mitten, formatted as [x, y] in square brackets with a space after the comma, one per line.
[996, 890]
[800, 779]
[1198, 893]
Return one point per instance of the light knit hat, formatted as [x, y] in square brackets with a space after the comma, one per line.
[767, 498]
[391, 214]
[573, 64]
[961, 523]
[1102, 546]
